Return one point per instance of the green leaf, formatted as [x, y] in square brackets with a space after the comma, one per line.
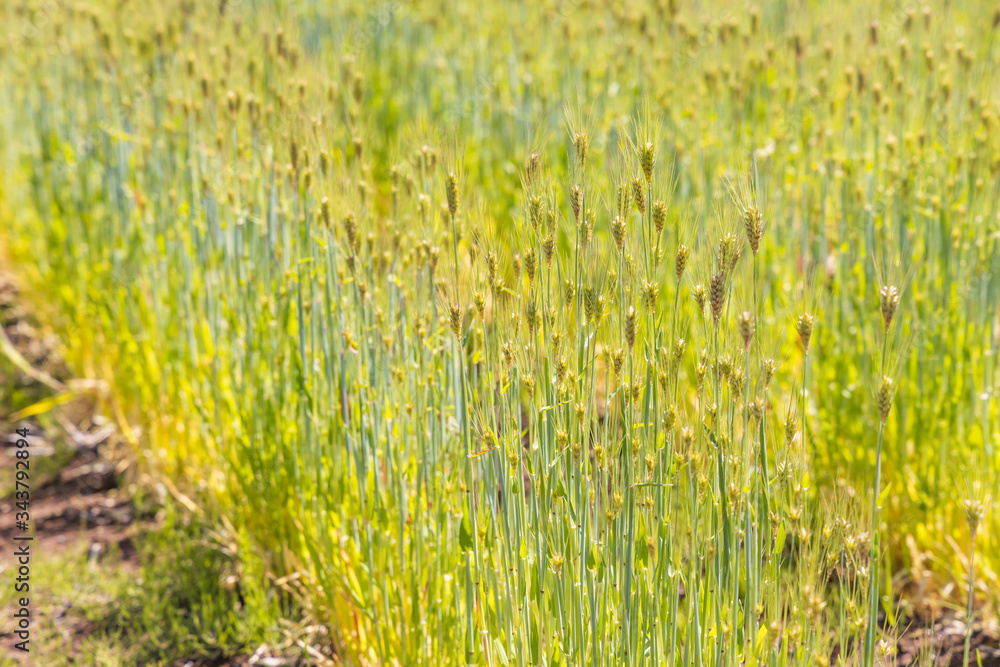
[887, 599]
[465, 539]
[524, 550]
[641, 548]
[593, 558]
[779, 539]
[534, 644]
[42, 406]
[528, 464]
[501, 654]
[415, 615]
[761, 642]
[882, 496]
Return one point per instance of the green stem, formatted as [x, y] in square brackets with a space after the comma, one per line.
[968, 608]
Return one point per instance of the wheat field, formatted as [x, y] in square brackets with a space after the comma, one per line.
[559, 333]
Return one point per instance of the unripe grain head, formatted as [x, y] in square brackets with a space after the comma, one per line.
[700, 296]
[884, 397]
[576, 199]
[681, 262]
[746, 328]
[647, 159]
[581, 142]
[717, 296]
[804, 328]
[639, 195]
[618, 232]
[631, 325]
[455, 319]
[888, 302]
[659, 216]
[451, 189]
[650, 293]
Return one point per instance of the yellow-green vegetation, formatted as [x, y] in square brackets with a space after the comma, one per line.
[179, 602]
[641, 332]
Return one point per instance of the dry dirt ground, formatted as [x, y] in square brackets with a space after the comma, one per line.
[75, 500]
[84, 516]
